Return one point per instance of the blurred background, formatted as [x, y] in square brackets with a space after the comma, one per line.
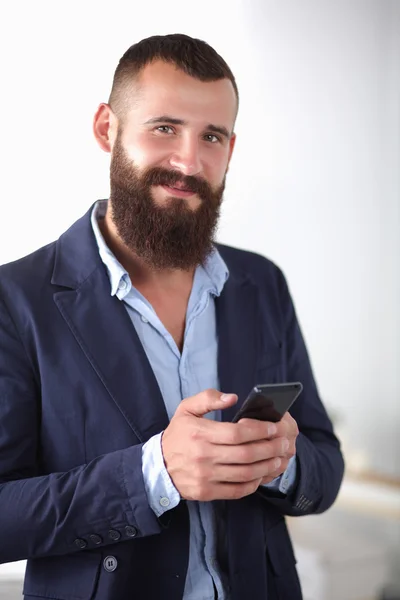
[314, 185]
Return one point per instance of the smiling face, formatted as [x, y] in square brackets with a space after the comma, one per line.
[170, 154]
[182, 124]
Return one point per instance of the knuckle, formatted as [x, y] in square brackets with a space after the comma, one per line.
[196, 455]
[237, 435]
[195, 434]
[234, 437]
[279, 447]
[209, 394]
[292, 427]
[237, 438]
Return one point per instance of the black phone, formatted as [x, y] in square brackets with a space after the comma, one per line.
[269, 401]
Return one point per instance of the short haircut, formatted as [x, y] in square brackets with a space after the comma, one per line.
[195, 57]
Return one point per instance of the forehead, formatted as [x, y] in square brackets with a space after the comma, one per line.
[165, 89]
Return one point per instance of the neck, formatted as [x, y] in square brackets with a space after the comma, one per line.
[141, 274]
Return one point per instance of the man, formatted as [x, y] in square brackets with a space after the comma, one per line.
[126, 348]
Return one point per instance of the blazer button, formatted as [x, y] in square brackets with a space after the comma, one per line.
[131, 531]
[110, 563]
[80, 543]
[114, 535]
[96, 539]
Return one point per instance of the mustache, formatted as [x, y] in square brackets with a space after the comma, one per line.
[160, 176]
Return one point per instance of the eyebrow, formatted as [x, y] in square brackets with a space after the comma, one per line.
[173, 121]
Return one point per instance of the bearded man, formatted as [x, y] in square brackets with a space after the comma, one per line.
[126, 348]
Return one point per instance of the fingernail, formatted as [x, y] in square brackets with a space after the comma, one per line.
[285, 445]
[272, 429]
[226, 397]
[277, 463]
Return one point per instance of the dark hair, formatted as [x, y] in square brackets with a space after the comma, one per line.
[195, 57]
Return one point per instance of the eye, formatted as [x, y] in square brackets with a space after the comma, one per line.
[164, 129]
[214, 139]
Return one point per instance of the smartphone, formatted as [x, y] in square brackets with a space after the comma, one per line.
[268, 402]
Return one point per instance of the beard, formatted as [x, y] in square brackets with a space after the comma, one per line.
[172, 236]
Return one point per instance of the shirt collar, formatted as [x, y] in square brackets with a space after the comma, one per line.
[115, 270]
[214, 267]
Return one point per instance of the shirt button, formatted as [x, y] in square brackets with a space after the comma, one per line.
[122, 285]
[130, 531]
[144, 319]
[165, 501]
[110, 563]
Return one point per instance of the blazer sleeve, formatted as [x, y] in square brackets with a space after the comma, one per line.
[320, 464]
[54, 514]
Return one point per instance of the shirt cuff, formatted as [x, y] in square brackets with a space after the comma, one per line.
[284, 483]
[162, 495]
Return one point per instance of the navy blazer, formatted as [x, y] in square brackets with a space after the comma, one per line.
[78, 399]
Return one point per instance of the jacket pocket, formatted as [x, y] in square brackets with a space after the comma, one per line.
[69, 577]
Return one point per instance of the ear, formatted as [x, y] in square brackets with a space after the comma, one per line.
[232, 142]
[105, 126]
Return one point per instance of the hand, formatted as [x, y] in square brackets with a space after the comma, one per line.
[209, 460]
[287, 431]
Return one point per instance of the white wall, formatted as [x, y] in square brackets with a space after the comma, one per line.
[314, 183]
[320, 127]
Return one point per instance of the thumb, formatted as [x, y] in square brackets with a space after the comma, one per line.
[207, 401]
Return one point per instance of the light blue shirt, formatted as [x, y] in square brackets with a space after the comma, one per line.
[180, 375]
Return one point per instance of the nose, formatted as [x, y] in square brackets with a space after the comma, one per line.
[186, 157]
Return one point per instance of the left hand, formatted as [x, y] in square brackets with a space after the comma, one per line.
[287, 431]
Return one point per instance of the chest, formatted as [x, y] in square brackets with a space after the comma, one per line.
[172, 315]
[171, 309]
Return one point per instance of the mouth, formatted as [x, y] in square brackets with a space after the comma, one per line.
[179, 193]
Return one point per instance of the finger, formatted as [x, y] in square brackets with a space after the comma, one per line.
[286, 427]
[245, 473]
[205, 402]
[246, 453]
[277, 473]
[251, 453]
[234, 491]
[261, 430]
[246, 430]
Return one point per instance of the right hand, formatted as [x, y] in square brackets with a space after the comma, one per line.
[209, 460]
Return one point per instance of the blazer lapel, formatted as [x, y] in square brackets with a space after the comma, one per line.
[104, 331]
[238, 339]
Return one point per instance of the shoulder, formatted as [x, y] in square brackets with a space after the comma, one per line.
[251, 265]
[28, 273]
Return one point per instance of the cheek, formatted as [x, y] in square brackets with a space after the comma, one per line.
[144, 152]
[214, 165]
